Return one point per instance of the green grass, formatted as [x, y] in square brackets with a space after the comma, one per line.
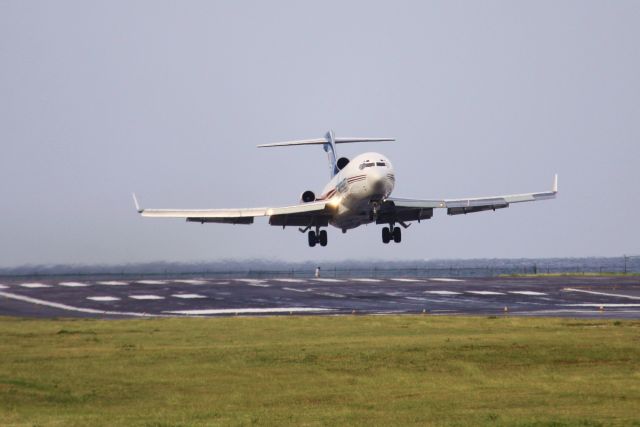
[354, 370]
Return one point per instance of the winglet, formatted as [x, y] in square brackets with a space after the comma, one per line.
[135, 201]
[555, 183]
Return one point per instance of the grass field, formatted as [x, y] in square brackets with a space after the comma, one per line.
[405, 370]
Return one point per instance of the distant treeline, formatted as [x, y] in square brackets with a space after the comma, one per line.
[364, 267]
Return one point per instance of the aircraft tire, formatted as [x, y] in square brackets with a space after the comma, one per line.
[397, 234]
[312, 239]
[386, 235]
[323, 238]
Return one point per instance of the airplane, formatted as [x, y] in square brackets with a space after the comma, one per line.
[358, 193]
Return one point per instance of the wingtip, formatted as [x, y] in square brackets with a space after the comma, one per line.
[135, 201]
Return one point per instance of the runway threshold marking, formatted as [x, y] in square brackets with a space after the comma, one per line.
[249, 310]
[290, 280]
[407, 280]
[530, 293]
[146, 297]
[113, 283]
[442, 292]
[188, 296]
[73, 284]
[295, 290]
[366, 280]
[152, 282]
[103, 298]
[601, 293]
[66, 307]
[3, 286]
[485, 293]
[445, 279]
[34, 285]
[329, 280]
[191, 281]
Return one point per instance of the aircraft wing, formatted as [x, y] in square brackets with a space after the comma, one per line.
[417, 209]
[314, 213]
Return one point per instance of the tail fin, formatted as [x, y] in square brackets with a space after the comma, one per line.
[328, 144]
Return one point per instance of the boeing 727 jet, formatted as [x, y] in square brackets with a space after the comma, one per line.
[358, 193]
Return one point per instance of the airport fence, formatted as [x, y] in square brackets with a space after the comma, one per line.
[630, 265]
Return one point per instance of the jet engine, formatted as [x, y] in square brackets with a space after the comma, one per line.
[308, 196]
[342, 162]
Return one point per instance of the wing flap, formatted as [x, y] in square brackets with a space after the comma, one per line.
[474, 204]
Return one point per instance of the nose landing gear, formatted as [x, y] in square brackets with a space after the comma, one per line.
[391, 233]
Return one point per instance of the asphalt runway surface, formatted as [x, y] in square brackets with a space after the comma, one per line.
[608, 297]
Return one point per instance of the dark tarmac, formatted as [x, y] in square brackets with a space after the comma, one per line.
[578, 296]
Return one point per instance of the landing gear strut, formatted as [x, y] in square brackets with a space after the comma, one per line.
[318, 236]
[391, 233]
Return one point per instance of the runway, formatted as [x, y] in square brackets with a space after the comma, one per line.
[578, 296]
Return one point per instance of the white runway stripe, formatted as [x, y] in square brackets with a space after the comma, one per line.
[532, 293]
[254, 282]
[3, 286]
[249, 310]
[73, 284]
[602, 305]
[103, 298]
[290, 280]
[329, 280]
[66, 307]
[146, 297]
[295, 290]
[192, 281]
[113, 283]
[406, 280]
[485, 293]
[188, 296]
[330, 294]
[607, 294]
[445, 279]
[34, 285]
[442, 292]
[152, 282]
[366, 280]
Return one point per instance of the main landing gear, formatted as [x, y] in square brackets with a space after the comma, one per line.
[318, 236]
[391, 233]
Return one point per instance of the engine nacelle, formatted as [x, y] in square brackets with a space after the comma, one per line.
[308, 196]
[342, 162]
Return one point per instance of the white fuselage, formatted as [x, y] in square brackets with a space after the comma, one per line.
[366, 180]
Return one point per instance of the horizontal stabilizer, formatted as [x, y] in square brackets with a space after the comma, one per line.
[321, 141]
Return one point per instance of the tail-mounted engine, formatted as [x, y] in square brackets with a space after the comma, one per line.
[342, 162]
[308, 196]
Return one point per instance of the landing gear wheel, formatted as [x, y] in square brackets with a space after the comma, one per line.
[386, 235]
[397, 234]
[323, 237]
[312, 238]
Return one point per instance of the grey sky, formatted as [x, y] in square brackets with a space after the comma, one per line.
[98, 99]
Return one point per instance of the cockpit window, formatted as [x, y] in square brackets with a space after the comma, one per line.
[381, 164]
[366, 165]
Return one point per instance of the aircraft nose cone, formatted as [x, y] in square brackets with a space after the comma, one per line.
[377, 182]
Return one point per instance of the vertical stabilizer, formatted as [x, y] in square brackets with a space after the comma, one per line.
[330, 148]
